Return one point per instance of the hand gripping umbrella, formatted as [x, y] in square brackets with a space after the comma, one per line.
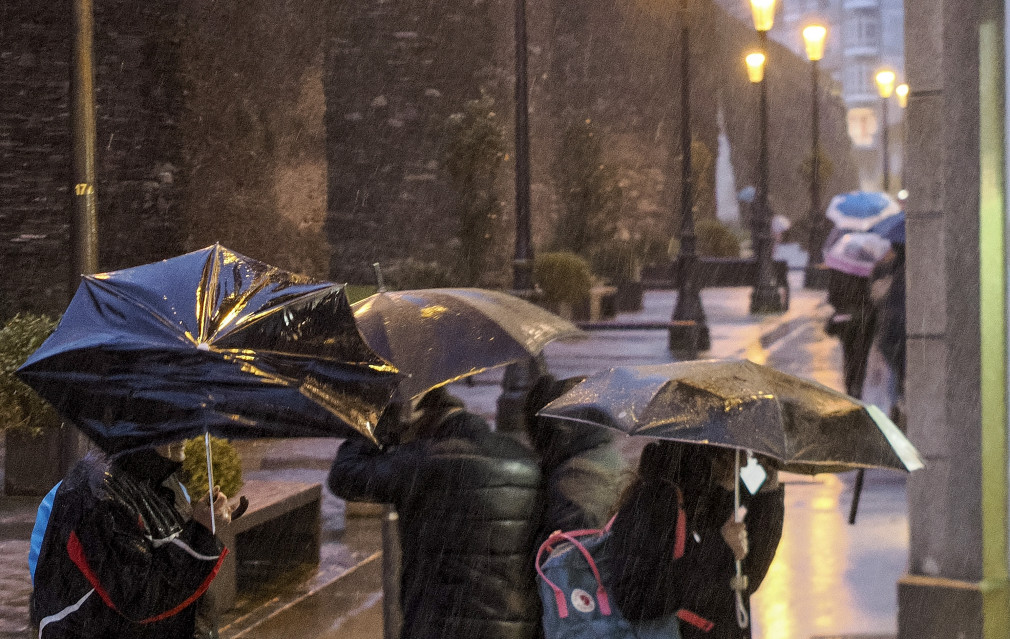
[439, 335]
[807, 427]
[209, 342]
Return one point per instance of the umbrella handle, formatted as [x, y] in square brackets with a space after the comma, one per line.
[210, 481]
[742, 618]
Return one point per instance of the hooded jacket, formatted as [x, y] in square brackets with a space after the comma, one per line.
[119, 559]
[469, 503]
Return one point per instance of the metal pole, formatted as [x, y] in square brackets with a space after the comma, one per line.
[84, 224]
[815, 254]
[765, 297]
[689, 332]
[392, 615]
[884, 143]
[84, 219]
[522, 265]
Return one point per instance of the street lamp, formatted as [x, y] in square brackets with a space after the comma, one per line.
[885, 87]
[522, 264]
[688, 331]
[902, 92]
[765, 297]
[814, 37]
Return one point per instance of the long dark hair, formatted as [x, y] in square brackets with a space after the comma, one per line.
[643, 535]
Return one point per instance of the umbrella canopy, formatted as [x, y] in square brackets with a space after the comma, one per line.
[209, 341]
[891, 229]
[856, 253]
[860, 210]
[439, 335]
[808, 427]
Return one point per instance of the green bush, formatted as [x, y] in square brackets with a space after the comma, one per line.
[715, 239]
[616, 261]
[225, 461]
[563, 277]
[20, 406]
[358, 292]
[474, 153]
[589, 190]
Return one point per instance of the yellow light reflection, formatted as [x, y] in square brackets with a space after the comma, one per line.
[433, 311]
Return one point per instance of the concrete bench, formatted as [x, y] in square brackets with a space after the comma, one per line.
[602, 302]
[280, 530]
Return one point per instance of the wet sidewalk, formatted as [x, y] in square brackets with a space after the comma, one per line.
[828, 580]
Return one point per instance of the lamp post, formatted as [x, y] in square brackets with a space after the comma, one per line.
[84, 229]
[688, 331]
[885, 87]
[902, 92]
[814, 37]
[765, 297]
[522, 264]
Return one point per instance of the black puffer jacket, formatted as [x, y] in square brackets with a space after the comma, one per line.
[469, 503]
[119, 559]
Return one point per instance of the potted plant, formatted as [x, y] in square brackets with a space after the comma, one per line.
[33, 430]
[618, 263]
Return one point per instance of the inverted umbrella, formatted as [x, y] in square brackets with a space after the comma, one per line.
[856, 253]
[860, 210]
[439, 335]
[210, 341]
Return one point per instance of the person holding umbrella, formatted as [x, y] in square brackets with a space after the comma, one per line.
[124, 554]
[695, 483]
[469, 502]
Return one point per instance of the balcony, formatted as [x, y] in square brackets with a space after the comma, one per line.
[860, 4]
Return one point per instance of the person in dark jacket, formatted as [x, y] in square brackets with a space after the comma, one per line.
[853, 323]
[580, 463]
[649, 582]
[122, 557]
[469, 502]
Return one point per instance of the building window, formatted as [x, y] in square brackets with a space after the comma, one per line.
[858, 78]
[862, 126]
[862, 28]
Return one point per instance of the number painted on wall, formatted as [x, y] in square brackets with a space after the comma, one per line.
[84, 189]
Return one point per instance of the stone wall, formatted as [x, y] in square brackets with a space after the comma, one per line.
[136, 124]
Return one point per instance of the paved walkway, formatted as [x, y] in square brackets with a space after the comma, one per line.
[828, 580]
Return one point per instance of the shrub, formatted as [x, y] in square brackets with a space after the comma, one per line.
[588, 188]
[472, 158]
[563, 277]
[20, 406]
[616, 261]
[225, 461]
[715, 239]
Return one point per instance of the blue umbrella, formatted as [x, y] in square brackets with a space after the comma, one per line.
[861, 210]
[891, 229]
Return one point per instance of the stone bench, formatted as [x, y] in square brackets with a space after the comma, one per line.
[716, 272]
[280, 530]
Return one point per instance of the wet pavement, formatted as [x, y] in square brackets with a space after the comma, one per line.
[829, 579]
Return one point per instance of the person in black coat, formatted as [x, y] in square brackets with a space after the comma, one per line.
[649, 582]
[469, 502]
[580, 463]
[123, 556]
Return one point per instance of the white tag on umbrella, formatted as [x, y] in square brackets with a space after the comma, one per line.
[753, 475]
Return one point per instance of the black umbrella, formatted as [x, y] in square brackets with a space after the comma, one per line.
[210, 341]
[807, 427]
[439, 335]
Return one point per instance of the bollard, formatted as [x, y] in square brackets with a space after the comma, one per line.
[518, 379]
[392, 618]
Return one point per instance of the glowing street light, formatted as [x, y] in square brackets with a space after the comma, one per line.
[765, 296]
[815, 36]
[885, 87]
[902, 92]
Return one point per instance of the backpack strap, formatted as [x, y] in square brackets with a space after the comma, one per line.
[695, 620]
[559, 596]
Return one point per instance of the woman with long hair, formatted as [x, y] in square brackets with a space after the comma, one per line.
[649, 580]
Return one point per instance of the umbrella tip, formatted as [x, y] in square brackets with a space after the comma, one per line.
[203, 346]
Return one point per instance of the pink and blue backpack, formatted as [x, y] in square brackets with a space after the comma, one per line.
[575, 600]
